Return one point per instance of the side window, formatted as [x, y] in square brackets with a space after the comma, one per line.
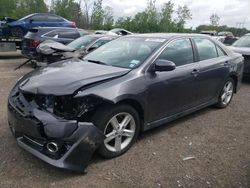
[179, 51]
[220, 52]
[68, 34]
[52, 18]
[52, 34]
[39, 18]
[206, 48]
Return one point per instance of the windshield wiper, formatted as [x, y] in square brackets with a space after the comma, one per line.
[96, 61]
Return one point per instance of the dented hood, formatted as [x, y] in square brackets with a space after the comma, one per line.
[65, 77]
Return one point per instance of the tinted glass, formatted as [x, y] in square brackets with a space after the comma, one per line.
[180, 52]
[206, 49]
[101, 42]
[53, 18]
[127, 52]
[39, 18]
[52, 34]
[242, 42]
[73, 34]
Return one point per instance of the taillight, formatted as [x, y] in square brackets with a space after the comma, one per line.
[34, 43]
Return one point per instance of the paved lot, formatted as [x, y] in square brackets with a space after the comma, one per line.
[219, 141]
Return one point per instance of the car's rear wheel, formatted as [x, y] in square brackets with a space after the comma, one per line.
[226, 94]
[17, 32]
[120, 124]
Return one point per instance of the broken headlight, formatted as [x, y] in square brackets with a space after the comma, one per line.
[68, 107]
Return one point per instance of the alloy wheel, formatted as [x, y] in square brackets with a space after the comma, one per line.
[119, 132]
[227, 93]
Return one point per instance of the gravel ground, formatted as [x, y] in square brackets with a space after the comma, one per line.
[217, 142]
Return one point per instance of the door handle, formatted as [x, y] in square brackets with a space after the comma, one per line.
[195, 72]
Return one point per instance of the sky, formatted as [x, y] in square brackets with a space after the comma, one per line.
[231, 12]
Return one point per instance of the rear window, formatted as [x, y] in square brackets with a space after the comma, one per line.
[53, 18]
[206, 49]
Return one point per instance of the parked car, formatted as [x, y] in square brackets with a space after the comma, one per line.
[226, 34]
[50, 51]
[37, 35]
[242, 46]
[62, 113]
[226, 40]
[18, 28]
[115, 31]
[210, 33]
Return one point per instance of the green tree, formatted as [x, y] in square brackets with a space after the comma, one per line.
[108, 19]
[97, 15]
[214, 19]
[24, 7]
[166, 22]
[183, 14]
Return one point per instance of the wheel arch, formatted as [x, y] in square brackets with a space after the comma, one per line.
[235, 79]
[137, 106]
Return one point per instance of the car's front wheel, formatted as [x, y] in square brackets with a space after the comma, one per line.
[226, 94]
[120, 124]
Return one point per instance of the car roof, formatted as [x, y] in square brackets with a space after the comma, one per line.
[98, 36]
[167, 35]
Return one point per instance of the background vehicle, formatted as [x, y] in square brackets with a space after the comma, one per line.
[37, 35]
[51, 51]
[226, 34]
[115, 31]
[20, 27]
[227, 40]
[63, 112]
[210, 33]
[242, 46]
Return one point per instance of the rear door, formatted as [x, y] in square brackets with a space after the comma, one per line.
[38, 20]
[214, 69]
[173, 92]
[54, 21]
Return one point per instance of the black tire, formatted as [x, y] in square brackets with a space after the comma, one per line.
[221, 103]
[17, 32]
[103, 116]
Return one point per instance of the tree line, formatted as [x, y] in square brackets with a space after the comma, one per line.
[92, 14]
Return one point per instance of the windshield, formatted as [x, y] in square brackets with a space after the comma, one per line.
[242, 42]
[82, 42]
[125, 52]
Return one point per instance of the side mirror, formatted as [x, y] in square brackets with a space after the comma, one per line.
[31, 20]
[163, 65]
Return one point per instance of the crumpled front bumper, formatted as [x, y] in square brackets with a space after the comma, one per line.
[77, 141]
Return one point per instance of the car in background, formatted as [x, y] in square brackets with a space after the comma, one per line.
[226, 34]
[18, 28]
[37, 35]
[242, 46]
[115, 31]
[66, 111]
[226, 40]
[210, 33]
[50, 51]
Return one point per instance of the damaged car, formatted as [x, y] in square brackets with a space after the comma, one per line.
[66, 111]
[51, 51]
